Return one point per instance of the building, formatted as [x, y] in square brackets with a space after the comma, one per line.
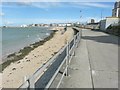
[23, 26]
[92, 25]
[114, 20]
[61, 24]
[65, 24]
[104, 24]
[92, 21]
[116, 10]
[69, 24]
[53, 25]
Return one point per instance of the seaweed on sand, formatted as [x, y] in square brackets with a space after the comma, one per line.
[23, 52]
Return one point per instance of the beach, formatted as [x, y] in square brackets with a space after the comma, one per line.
[16, 38]
[13, 75]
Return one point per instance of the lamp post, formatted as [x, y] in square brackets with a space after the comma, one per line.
[80, 14]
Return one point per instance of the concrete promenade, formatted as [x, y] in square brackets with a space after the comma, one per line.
[95, 64]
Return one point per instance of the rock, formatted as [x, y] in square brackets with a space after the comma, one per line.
[28, 61]
[14, 69]
[7, 80]
[55, 52]
[18, 62]
[26, 58]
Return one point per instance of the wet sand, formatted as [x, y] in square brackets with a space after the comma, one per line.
[12, 76]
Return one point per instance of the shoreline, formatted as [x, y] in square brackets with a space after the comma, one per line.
[12, 76]
[29, 39]
[20, 54]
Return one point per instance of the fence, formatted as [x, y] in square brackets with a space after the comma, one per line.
[45, 75]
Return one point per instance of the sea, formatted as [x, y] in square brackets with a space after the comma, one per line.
[15, 38]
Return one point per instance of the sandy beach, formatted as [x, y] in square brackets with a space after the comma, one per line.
[12, 76]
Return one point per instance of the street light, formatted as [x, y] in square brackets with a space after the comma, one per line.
[80, 14]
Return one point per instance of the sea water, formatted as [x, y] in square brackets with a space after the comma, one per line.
[16, 38]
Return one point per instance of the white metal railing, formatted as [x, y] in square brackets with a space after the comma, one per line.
[69, 48]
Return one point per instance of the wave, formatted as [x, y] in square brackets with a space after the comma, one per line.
[47, 34]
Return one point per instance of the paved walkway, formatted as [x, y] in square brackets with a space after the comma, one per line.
[95, 64]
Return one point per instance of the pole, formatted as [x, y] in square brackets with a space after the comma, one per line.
[67, 58]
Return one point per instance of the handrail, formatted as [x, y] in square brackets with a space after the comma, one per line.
[30, 83]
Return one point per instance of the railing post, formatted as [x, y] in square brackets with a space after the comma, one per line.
[77, 40]
[79, 36]
[81, 33]
[74, 45]
[25, 78]
[25, 85]
[69, 53]
[67, 58]
[32, 83]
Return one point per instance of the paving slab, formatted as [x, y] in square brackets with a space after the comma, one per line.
[103, 56]
[95, 64]
[79, 70]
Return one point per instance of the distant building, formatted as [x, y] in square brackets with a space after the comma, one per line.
[61, 24]
[23, 25]
[114, 20]
[53, 25]
[31, 25]
[116, 10]
[92, 25]
[69, 24]
[77, 22]
[104, 24]
[92, 21]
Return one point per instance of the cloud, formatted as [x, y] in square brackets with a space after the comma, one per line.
[90, 4]
[66, 4]
[47, 5]
[2, 14]
[42, 5]
[58, 1]
[96, 5]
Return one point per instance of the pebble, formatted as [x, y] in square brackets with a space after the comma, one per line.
[14, 69]
[18, 62]
[28, 61]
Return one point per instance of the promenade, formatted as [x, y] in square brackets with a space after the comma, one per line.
[95, 64]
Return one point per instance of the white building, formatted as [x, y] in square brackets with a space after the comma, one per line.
[23, 25]
[116, 10]
[65, 24]
[69, 24]
[115, 19]
[61, 24]
[104, 24]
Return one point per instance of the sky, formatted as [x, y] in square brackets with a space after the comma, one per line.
[19, 13]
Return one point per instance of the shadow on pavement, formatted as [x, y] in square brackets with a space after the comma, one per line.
[103, 39]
